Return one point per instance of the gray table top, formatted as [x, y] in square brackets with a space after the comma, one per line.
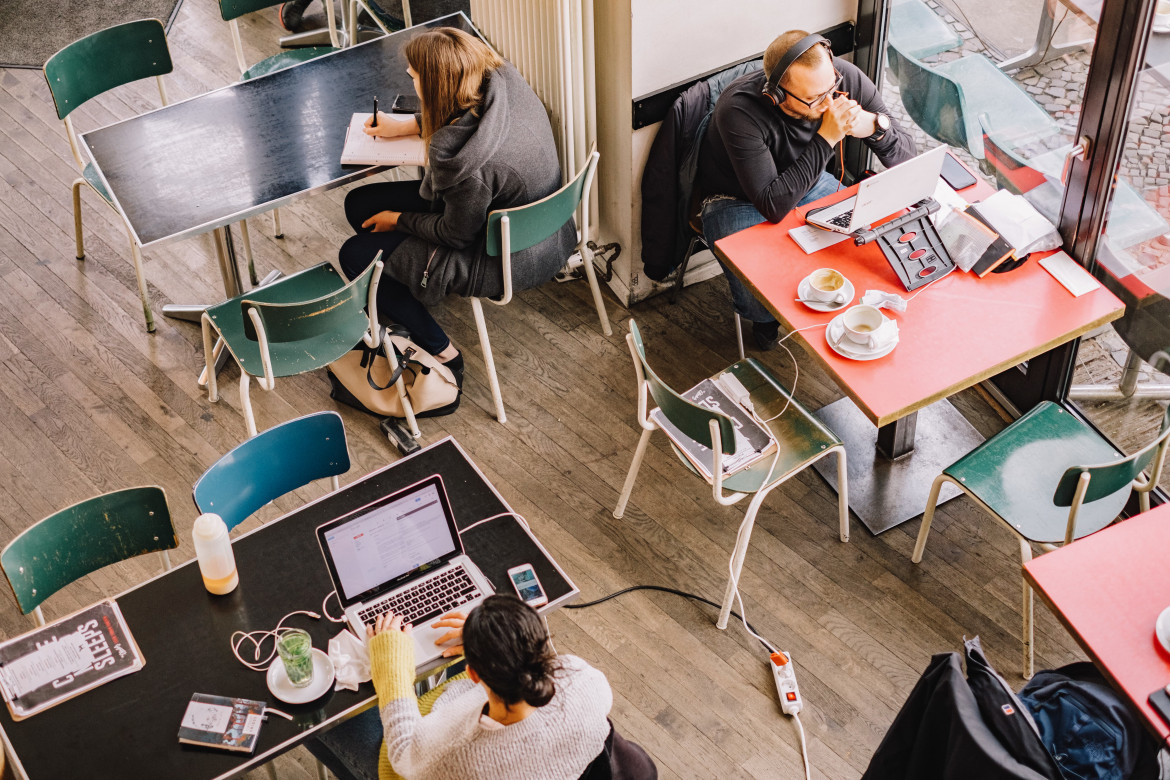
[250, 147]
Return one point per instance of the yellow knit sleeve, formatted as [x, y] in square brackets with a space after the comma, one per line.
[392, 666]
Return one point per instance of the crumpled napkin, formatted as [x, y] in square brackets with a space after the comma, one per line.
[351, 660]
[884, 300]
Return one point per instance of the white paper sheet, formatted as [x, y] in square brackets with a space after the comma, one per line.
[812, 239]
[1070, 273]
[362, 149]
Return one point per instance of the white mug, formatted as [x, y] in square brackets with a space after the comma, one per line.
[866, 326]
[826, 285]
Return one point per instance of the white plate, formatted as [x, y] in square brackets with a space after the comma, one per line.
[803, 289]
[835, 335]
[1162, 629]
[322, 678]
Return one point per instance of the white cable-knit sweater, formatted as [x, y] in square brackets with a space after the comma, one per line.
[456, 742]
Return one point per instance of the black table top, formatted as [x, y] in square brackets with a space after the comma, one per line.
[128, 727]
[250, 147]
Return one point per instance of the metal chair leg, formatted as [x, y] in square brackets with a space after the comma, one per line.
[739, 335]
[489, 361]
[141, 276]
[843, 493]
[321, 773]
[252, 277]
[595, 288]
[682, 270]
[1029, 638]
[271, 770]
[77, 217]
[277, 232]
[928, 516]
[635, 465]
[246, 401]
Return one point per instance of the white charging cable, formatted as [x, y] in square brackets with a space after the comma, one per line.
[257, 638]
[516, 515]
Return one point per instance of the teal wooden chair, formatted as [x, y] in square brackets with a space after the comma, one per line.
[87, 68]
[512, 230]
[294, 325]
[1011, 476]
[946, 99]
[270, 464]
[918, 31]
[802, 440]
[79, 540]
[231, 11]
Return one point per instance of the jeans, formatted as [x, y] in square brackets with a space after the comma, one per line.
[395, 301]
[721, 218]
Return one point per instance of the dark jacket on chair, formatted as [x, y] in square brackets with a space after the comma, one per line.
[501, 159]
[669, 177]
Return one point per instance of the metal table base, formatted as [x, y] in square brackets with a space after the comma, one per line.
[886, 492]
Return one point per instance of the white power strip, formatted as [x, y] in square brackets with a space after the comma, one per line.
[785, 678]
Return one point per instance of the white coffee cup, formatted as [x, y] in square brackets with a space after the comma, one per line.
[1162, 11]
[867, 327]
[826, 285]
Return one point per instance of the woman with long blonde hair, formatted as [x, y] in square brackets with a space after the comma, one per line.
[489, 146]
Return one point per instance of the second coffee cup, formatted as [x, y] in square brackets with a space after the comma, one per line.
[826, 285]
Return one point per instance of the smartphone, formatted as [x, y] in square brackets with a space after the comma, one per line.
[955, 174]
[405, 104]
[527, 586]
[1161, 703]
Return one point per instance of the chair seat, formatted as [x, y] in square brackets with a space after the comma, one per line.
[988, 90]
[90, 174]
[801, 437]
[288, 358]
[286, 59]
[1014, 474]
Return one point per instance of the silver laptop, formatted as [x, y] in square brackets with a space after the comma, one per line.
[402, 554]
[881, 195]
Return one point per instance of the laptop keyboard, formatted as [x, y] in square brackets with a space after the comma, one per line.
[428, 598]
[842, 219]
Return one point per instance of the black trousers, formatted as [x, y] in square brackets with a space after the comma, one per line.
[395, 301]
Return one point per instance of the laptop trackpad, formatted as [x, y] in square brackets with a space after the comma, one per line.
[424, 641]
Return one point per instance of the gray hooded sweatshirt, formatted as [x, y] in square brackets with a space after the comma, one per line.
[503, 158]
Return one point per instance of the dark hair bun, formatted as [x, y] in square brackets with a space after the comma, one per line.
[505, 642]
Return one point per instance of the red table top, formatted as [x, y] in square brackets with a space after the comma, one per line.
[1108, 589]
[958, 332]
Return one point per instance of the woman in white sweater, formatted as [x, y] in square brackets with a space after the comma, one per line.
[520, 710]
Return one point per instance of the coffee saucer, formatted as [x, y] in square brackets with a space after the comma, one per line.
[805, 287]
[323, 674]
[1162, 629]
[835, 335]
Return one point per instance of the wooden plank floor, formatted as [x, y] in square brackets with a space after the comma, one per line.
[89, 402]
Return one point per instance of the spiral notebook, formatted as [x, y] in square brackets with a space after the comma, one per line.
[362, 149]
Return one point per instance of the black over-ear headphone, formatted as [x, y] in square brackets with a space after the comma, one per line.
[772, 89]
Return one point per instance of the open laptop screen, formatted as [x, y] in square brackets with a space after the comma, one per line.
[386, 542]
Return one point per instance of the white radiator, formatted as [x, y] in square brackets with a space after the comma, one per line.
[551, 43]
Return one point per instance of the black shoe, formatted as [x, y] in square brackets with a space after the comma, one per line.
[766, 334]
[456, 366]
[292, 13]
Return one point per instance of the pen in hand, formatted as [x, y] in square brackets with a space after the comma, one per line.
[375, 122]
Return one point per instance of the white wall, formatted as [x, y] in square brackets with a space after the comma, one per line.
[646, 45]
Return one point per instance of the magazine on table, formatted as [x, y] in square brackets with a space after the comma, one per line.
[752, 440]
[222, 722]
[58, 661]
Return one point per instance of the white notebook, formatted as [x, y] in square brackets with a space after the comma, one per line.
[362, 149]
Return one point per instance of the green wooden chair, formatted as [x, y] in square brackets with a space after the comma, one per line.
[294, 325]
[946, 99]
[231, 11]
[510, 230]
[802, 440]
[89, 67]
[1009, 476]
[83, 538]
[270, 464]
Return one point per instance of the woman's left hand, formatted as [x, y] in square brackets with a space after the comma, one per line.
[387, 622]
[383, 221]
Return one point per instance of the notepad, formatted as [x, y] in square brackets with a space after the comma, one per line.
[362, 149]
[1070, 273]
[812, 239]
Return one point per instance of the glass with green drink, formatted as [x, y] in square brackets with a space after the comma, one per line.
[296, 651]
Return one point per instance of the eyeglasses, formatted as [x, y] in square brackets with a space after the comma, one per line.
[820, 99]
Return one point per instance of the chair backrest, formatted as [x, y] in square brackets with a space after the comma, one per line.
[691, 419]
[1012, 171]
[932, 99]
[234, 9]
[341, 313]
[529, 225]
[1109, 478]
[271, 464]
[106, 59]
[86, 537]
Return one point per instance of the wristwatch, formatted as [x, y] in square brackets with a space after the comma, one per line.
[881, 126]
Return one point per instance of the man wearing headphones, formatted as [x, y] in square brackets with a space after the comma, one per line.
[770, 138]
